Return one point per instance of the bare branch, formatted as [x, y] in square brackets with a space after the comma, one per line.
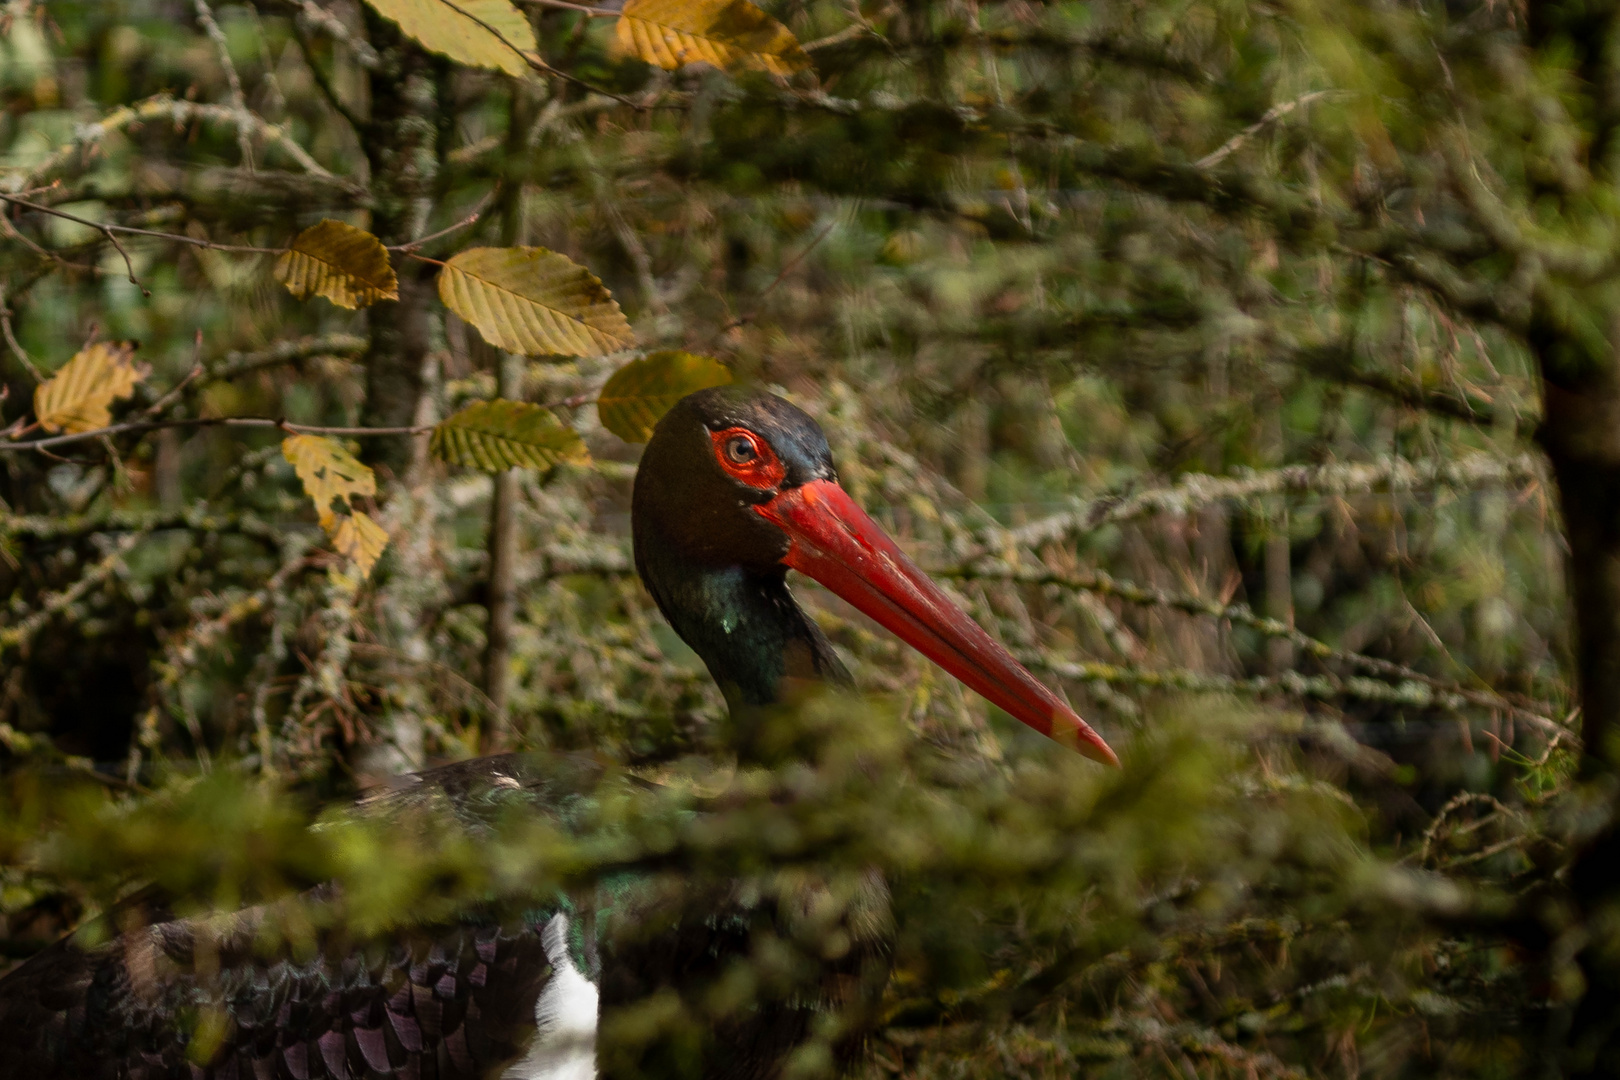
[1272, 115]
[1194, 490]
[310, 11]
[20, 633]
[11, 339]
[180, 113]
[1104, 585]
[244, 116]
[143, 426]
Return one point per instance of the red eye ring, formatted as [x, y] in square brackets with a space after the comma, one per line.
[748, 458]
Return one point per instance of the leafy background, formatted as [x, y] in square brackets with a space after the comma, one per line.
[1184, 339]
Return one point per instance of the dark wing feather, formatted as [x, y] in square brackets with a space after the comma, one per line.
[171, 999]
[455, 1003]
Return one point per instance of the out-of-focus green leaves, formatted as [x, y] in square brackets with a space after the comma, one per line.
[641, 392]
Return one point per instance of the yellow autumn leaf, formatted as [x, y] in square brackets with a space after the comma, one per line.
[346, 265]
[482, 33]
[642, 391]
[328, 472]
[725, 33]
[502, 434]
[532, 301]
[361, 539]
[79, 396]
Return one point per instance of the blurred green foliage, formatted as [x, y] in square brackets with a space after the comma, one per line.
[1196, 344]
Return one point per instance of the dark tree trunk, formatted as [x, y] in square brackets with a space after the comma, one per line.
[502, 597]
[1581, 435]
[401, 142]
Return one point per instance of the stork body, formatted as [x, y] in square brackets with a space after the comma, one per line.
[735, 488]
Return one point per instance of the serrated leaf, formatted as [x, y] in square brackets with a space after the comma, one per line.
[328, 472]
[502, 434]
[79, 397]
[725, 33]
[641, 392]
[472, 36]
[532, 301]
[346, 265]
[361, 539]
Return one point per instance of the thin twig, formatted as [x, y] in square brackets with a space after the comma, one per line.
[105, 230]
[323, 83]
[244, 124]
[1194, 490]
[108, 229]
[853, 31]
[334, 27]
[11, 338]
[787, 268]
[196, 372]
[166, 107]
[143, 426]
[1104, 585]
[1273, 114]
[477, 212]
[540, 65]
[19, 634]
[285, 352]
[563, 5]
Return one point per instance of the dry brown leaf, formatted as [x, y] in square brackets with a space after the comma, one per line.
[346, 265]
[725, 33]
[79, 396]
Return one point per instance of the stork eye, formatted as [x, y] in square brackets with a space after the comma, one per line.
[747, 458]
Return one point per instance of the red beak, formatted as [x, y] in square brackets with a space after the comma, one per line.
[834, 541]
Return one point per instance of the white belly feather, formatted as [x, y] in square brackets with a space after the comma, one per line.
[564, 1046]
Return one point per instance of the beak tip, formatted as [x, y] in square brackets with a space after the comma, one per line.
[1080, 736]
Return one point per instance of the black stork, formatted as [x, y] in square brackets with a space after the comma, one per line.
[735, 488]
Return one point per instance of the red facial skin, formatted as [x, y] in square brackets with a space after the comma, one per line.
[762, 470]
[832, 540]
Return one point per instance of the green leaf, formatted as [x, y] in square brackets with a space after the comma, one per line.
[641, 392]
[502, 434]
[483, 33]
[346, 265]
[725, 33]
[532, 301]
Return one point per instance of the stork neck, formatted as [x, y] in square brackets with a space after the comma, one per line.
[748, 629]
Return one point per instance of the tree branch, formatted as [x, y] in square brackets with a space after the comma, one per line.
[179, 113]
[244, 116]
[143, 426]
[1193, 490]
[1240, 614]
